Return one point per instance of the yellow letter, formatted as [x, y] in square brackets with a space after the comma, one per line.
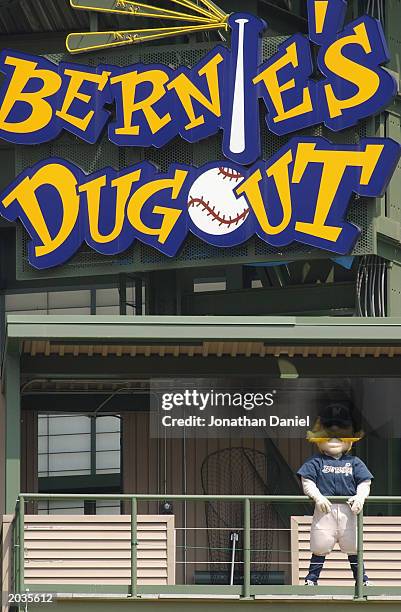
[334, 165]
[186, 90]
[77, 78]
[366, 80]
[170, 215]
[269, 76]
[129, 83]
[41, 110]
[93, 192]
[63, 180]
[251, 189]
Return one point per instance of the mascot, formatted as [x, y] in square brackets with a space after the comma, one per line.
[333, 471]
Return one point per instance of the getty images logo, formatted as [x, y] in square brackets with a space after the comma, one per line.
[193, 398]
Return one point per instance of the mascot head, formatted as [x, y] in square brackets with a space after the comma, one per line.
[335, 431]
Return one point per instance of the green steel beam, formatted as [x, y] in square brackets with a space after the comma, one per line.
[387, 248]
[146, 367]
[208, 590]
[164, 293]
[208, 605]
[99, 482]
[96, 368]
[394, 288]
[68, 273]
[311, 367]
[93, 447]
[199, 590]
[122, 291]
[393, 33]
[273, 300]
[13, 426]
[124, 329]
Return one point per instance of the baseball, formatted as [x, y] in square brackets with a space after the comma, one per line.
[212, 204]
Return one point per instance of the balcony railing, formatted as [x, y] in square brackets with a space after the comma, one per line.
[245, 590]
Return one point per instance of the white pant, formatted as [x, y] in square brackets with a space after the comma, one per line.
[337, 526]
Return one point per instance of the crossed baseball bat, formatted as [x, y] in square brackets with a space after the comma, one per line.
[203, 16]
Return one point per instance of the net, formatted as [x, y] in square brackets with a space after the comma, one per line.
[239, 471]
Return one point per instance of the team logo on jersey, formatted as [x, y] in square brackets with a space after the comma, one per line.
[337, 469]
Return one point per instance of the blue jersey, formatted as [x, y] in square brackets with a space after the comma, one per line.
[335, 476]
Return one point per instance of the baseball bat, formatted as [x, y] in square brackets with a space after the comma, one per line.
[237, 133]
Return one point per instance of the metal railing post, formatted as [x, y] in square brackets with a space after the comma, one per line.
[15, 585]
[359, 578]
[134, 548]
[21, 542]
[247, 549]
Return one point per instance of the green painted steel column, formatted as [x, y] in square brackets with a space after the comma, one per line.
[122, 289]
[13, 429]
[21, 544]
[134, 548]
[359, 579]
[247, 549]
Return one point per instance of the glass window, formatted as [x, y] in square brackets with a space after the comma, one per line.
[72, 302]
[107, 297]
[107, 424]
[107, 462]
[107, 310]
[65, 445]
[69, 443]
[107, 442]
[69, 299]
[70, 311]
[60, 507]
[52, 302]
[108, 507]
[24, 302]
[209, 284]
[69, 464]
[73, 424]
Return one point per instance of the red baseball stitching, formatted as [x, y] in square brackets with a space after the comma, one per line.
[216, 216]
[232, 175]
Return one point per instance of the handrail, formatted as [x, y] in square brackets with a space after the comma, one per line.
[134, 499]
[373, 499]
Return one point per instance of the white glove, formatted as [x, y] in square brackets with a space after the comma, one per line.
[311, 490]
[357, 502]
[323, 504]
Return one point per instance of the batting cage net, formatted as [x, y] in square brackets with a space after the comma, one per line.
[239, 471]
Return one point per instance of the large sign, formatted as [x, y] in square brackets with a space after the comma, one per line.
[301, 194]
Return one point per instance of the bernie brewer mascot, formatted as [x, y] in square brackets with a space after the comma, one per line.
[334, 471]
